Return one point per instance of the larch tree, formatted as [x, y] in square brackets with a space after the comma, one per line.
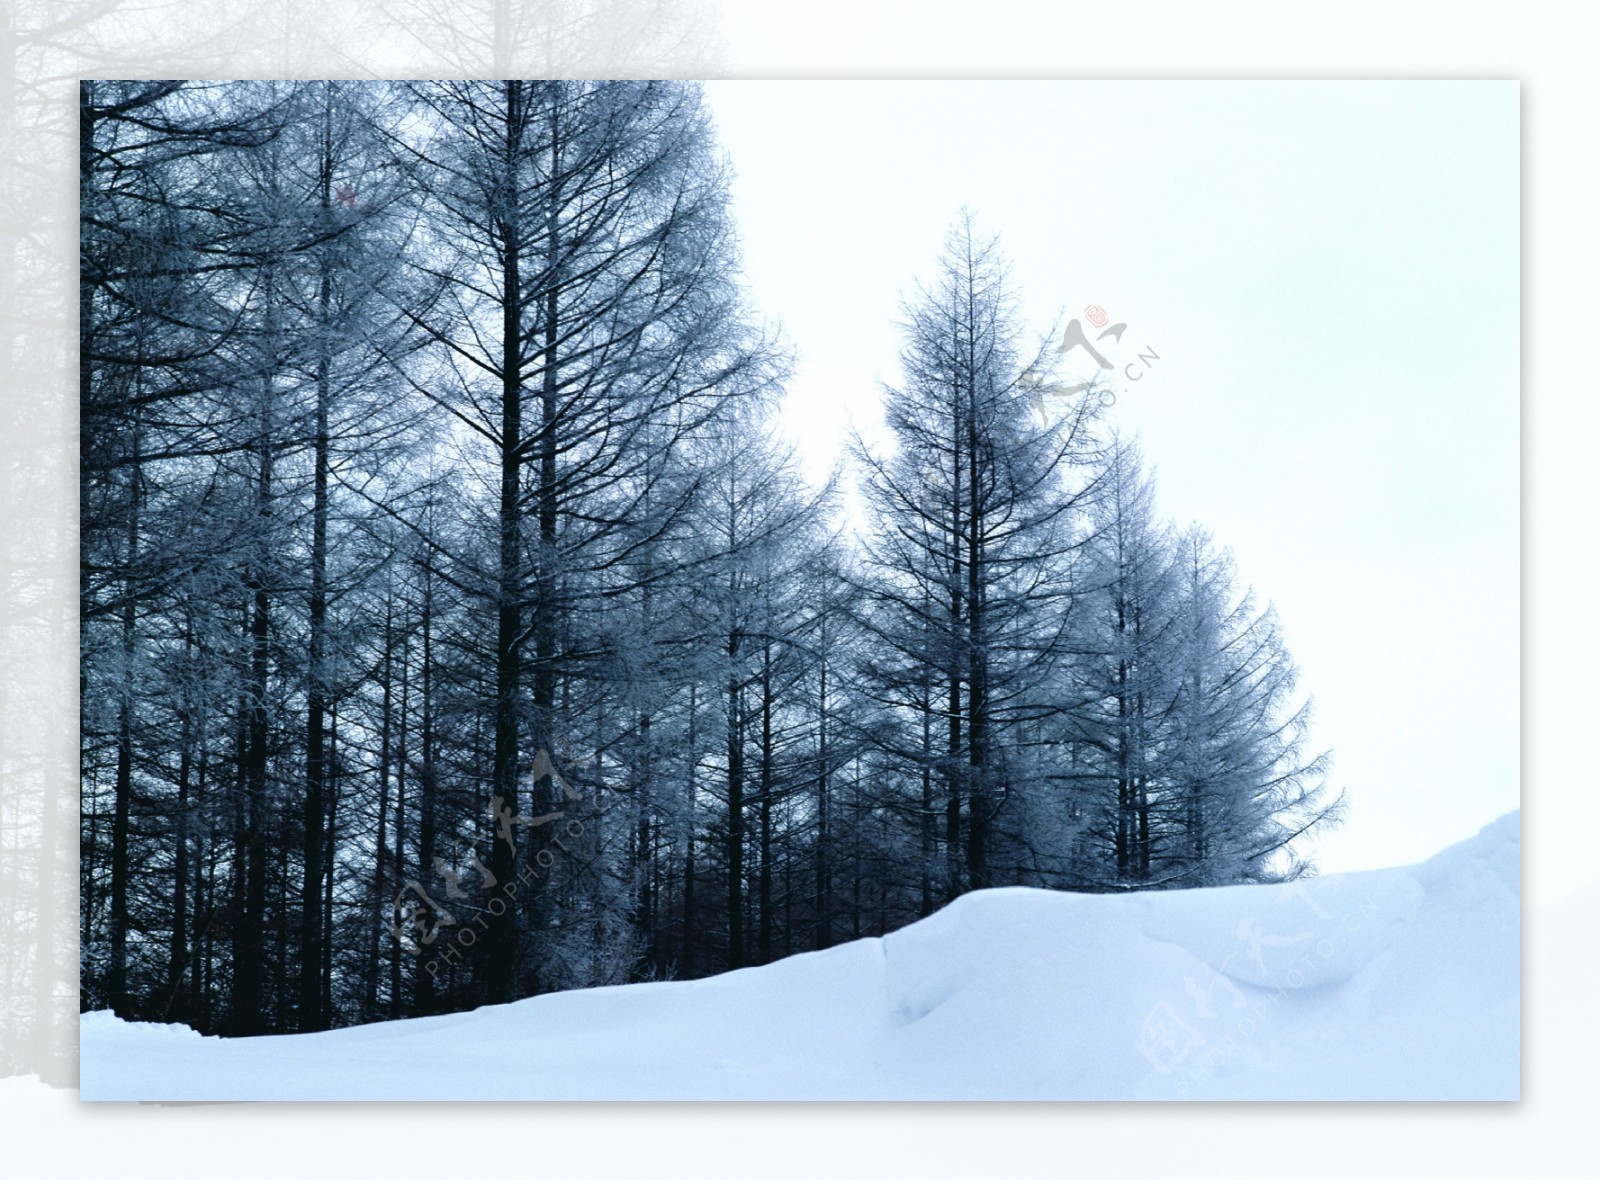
[1124, 671]
[1184, 755]
[1243, 787]
[971, 537]
[587, 313]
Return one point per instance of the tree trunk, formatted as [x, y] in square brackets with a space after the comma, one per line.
[824, 868]
[250, 936]
[502, 935]
[379, 879]
[979, 804]
[690, 810]
[117, 980]
[312, 1016]
[178, 946]
[398, 957]
[926, 818]
[735, 845]
[328, 864]
[764, 900]
[428, 822]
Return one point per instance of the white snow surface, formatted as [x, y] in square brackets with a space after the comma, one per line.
[1387, 984]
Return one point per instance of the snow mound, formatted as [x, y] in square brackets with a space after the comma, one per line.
[1389, 984]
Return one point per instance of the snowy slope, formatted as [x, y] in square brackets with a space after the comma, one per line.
[1391, 984]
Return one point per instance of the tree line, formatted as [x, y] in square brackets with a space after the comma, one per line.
[443, 575]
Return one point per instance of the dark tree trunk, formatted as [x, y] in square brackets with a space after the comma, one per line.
[764, 900]
[428, 821]
[250, 936]
[979, 803]
[312, 1015]
[644, 858]
[379, 877]
[178, 947]
[502, 933]
[824, 867]
[117, 978]
[689, 829]
[328, 863]
[926, 819]
[396, 994]
[735, 844]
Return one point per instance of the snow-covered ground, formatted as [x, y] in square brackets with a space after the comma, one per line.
[1390, 984]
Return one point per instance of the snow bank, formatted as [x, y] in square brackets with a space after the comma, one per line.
[1391, 984]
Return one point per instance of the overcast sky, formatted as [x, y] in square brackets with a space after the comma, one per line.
[1328, 273]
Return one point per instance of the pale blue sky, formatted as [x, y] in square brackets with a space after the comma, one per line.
[1329, 272]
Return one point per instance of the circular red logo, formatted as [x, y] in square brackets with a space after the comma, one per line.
[1097, 315]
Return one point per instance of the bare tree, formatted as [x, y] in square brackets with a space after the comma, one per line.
[972, 535]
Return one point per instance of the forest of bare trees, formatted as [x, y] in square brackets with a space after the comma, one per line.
[457, 624]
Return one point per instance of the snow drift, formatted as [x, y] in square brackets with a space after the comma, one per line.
[1389, 984]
